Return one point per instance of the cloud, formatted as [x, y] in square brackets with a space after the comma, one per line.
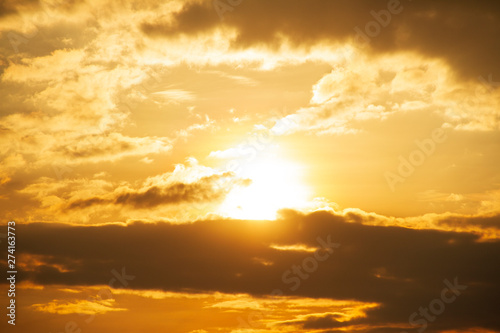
[176, 95]
[366, 88]
[486, 222]
[398, 268]
[80, 307]
[412, 27]
[56, 114]
[243, 80]
[96, 148]
[212, 188]
[190, 191]
[264, 313]
[37, 147]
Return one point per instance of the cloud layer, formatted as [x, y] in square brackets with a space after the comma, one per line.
[429, 27]
[399, 269]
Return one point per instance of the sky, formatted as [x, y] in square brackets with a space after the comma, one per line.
[251, 166]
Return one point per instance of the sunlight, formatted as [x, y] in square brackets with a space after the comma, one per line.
[276, 184]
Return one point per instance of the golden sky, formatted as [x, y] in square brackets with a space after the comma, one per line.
[251, 166]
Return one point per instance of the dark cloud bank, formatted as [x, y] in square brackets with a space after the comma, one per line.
[464, 33]
[402, 269]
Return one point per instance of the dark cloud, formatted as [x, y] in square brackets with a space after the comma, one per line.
[84, 203]
[190, 19]
[492, 222]
[464, 33]
[402, 269]
[210, 188]
[9, 7]
[328, 321]
[5, 9]
[98, 145]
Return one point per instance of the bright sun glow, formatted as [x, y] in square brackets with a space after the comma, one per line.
[276, 183]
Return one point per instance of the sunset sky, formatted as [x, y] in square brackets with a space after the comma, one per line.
[251, 166]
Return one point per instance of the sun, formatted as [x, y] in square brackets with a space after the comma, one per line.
[276, 184]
